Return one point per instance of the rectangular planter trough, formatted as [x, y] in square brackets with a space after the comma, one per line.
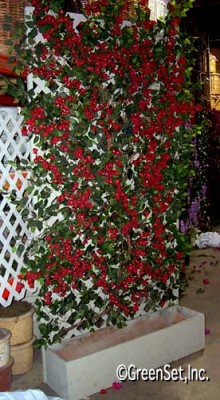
[81, 366]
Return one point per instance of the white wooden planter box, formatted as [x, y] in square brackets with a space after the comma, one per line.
[81, 366]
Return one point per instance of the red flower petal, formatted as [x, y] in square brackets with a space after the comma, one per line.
[117, 385]
[103, 391]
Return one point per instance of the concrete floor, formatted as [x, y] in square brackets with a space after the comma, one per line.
[202, 294]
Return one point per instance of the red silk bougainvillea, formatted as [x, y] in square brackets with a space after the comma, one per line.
[110, 166]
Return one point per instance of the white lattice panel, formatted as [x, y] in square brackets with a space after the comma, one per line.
[13, 147]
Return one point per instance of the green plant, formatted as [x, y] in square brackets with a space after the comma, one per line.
[110, 167]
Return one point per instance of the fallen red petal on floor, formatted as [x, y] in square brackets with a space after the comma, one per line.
[116, 385]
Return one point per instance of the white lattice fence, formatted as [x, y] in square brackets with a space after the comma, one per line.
[13, 147]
